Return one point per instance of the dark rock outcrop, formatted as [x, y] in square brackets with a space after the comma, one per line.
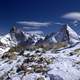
[55, 77]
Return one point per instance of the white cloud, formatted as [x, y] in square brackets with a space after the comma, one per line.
[72, 16]
[30, 27]
[34, 24]
[35, 32]
[59, 23]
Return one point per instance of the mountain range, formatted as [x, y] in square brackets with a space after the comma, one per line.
[16, 36]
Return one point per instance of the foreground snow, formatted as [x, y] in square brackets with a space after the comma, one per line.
[63, 67]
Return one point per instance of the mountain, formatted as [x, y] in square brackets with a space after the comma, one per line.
[35, 35]
[65, 37]
[17, 36]
[14, 37]
[65, 34]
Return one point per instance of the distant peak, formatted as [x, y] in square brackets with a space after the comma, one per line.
[13, 29]
[66, 27]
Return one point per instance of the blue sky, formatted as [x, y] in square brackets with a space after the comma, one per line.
[41, 11]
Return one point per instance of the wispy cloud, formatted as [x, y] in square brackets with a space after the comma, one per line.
[33, 32]
[34, 23]
[24, 27]
[72, 16]
[59, 23]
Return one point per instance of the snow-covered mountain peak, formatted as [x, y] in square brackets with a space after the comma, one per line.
[17, 36]
[13, 29]
[71, 31]
[73, 36]
[65, 34]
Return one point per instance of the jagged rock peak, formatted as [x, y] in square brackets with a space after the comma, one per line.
[17, 34]
[13, 29]
[64, 27]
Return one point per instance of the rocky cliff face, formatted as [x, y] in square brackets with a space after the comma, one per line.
[17, 35]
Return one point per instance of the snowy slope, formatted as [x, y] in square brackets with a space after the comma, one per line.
[74, 37]
[35, 35]
[63, 66]
[6, 39]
